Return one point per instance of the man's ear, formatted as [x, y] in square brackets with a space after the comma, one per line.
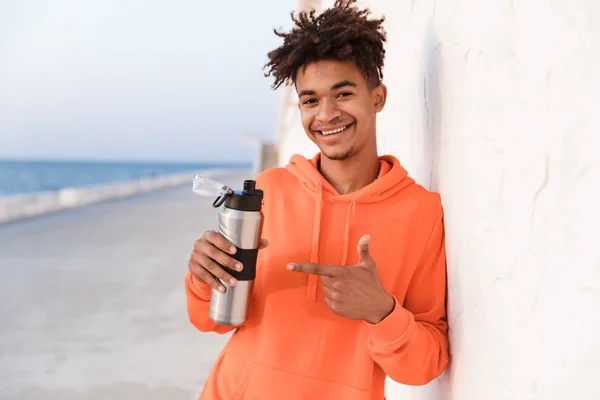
[379, 97]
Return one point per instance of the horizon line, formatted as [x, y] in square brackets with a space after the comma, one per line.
[123, 160]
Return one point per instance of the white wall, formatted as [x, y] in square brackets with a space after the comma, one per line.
[495, 105]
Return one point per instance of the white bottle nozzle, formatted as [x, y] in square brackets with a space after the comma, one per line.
[207, 187]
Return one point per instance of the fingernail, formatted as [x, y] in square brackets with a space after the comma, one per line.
[238, 266]
[290, 267]
[233, 281]
[232, 250]
[221, 289]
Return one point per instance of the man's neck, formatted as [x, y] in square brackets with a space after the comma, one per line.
[350, 175]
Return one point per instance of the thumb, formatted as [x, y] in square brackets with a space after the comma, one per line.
[364, 257]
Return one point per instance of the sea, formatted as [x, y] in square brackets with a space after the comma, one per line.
[22, 177]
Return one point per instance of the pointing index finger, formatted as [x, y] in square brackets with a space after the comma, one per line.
[315, 269]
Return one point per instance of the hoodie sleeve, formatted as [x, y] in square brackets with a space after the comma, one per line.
[411, 343]
[198, 299]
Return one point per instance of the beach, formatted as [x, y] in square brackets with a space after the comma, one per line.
[92, 301]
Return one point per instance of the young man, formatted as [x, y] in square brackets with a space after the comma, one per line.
[351, 286]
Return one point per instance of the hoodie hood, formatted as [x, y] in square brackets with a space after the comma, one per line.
[392, 178]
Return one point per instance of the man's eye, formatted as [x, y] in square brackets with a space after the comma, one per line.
[344, 94]
[309, 101]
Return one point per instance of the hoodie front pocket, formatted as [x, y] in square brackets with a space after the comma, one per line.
[260, 382]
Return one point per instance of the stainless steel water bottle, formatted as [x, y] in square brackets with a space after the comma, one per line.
[240, 222]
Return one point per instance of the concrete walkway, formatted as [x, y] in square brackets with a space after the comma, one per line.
[92, 304]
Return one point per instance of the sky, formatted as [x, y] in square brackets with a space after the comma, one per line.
[138, 80]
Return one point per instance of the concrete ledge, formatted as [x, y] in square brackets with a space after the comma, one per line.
[16, 207]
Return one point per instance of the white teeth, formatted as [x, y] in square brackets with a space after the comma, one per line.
[334, 131]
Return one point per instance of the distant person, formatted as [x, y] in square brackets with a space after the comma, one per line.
[351, 286]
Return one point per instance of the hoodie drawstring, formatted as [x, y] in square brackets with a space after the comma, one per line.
[311, 293]
[313, 280]
[349, 215]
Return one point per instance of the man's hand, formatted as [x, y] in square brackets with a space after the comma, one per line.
[353, 292]
[211, 252]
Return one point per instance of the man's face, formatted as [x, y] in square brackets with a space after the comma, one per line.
[337, 107]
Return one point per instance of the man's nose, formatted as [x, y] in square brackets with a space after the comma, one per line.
[328, 111]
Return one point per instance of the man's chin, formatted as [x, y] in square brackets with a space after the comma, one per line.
[337, 155]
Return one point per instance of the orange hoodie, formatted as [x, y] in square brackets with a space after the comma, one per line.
[293, 346]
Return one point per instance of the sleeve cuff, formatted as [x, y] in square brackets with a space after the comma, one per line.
[393, 328]
[200, 289]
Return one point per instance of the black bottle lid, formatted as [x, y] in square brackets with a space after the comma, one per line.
[248, 199]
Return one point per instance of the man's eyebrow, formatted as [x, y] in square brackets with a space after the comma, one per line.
[336, 86]
[306, 93]
[343, 83]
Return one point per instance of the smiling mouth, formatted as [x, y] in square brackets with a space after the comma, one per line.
[334, 131]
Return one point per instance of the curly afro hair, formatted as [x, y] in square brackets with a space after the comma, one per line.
[341, 33]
